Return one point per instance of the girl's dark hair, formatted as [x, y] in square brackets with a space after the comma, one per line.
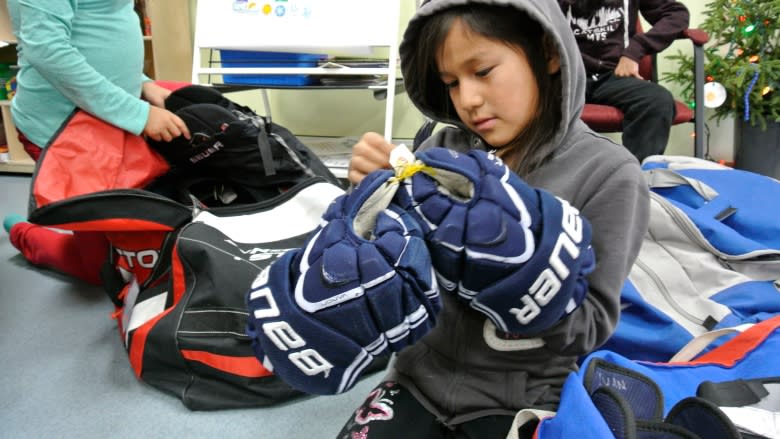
[510, 26]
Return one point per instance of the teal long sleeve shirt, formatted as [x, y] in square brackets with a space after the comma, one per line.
[85, 54]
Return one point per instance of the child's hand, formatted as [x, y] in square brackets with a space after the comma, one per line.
[628, 68]
[372, 152]
[154, 94]
[164, 126]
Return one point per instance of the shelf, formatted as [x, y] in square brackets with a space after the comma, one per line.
[19, 161]
[324, 71]
[6, 34]
[357, 41]
[380, 91]
[331, 74]
[18, 166]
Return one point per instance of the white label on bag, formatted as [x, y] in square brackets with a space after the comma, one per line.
[134, 315]
[129, 303]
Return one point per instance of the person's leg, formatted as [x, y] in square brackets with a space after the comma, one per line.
[486, 427]
[32, 150]
[648, 111]
[11, 220]
[80, 254]
[391, 411]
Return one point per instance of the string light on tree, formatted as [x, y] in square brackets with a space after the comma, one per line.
[746, 97]
[767, 91]
[714, 94]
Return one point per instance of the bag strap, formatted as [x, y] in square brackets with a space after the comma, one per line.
[526, 419]
[698, 343]
[716, 207]
[666, 178]
[425, 131]
[114, 283]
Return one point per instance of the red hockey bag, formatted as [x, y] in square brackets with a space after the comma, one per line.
[93, 177]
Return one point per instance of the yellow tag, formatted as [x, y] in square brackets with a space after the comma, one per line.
[405, 165]
[406, 171]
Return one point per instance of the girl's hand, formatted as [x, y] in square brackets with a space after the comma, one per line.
[154, 94]
[162, 125]
[372, 152]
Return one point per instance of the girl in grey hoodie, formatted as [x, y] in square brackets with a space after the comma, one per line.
[505, 76]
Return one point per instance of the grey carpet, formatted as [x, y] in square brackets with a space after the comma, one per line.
[65, 374]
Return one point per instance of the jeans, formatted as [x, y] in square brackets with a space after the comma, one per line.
[648, 110]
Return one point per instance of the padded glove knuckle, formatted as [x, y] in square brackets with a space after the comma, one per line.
[515, 253]
[361, 287]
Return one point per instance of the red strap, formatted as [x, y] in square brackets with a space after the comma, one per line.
[138, 343]
[249, 367]
[734, 350]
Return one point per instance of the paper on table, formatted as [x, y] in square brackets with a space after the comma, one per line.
[334, 152]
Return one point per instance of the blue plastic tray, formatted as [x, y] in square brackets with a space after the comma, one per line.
[242, 58]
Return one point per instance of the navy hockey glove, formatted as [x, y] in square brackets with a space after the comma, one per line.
[515, 253]
[363, 285]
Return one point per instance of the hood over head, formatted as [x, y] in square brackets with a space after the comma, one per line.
[546, 12]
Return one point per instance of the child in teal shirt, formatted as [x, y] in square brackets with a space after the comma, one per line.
[88, 55]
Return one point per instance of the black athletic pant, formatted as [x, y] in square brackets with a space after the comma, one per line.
[391, 411]
[648, 111]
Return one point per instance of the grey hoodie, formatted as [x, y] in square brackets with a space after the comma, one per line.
[463, 369]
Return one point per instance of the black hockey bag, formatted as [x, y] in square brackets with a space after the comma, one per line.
[185, 332]
[177, 281]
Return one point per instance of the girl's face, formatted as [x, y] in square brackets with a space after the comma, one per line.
[491, 84]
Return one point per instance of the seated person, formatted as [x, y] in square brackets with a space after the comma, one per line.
[606, 33]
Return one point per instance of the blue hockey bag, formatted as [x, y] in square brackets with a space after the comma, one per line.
[710, 259]
[736, 211]
[614, 397]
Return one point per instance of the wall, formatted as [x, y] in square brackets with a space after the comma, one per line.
[350, 113]
[171, 38]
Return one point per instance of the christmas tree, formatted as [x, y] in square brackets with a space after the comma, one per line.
[742, 61]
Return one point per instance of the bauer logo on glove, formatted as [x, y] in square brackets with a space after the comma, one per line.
[515, 253]
[361, 287]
